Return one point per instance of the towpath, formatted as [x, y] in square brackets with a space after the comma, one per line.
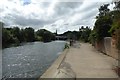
[86, 62]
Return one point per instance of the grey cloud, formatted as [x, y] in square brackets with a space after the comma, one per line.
[89, 7]
[62, 11]
[31, 22]
[90, 14]
[53, 25]
[71, 5]
[87, 16]
[63, 8]
[66, 24]
[82, 22]
[45, 4]
[12, 19]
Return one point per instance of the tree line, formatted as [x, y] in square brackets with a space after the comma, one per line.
[15, 36]
[81, 35]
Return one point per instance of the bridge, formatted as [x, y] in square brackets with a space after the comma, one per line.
[61, 38]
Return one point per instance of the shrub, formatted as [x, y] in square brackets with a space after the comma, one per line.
[66, 46]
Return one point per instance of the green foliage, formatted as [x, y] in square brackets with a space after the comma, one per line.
[103, 10]
[68, 34]
[46, 35]
[38, 38]
[117, 5]
[102, 25]
[7, 37]
[66, 46]
[15, 36]
[116, 24]
[72, 35]
[82, 34]
[92, 37]
[85, 33]
[29, 34]
[107, 23]
[116, 21]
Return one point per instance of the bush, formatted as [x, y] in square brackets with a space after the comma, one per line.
[92, 37]
[66, 46]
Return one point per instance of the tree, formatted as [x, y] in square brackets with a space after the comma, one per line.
[103, 23]
[22, 33]
[117, 5]
[115, 29]
[85, 33]
[16, 34]
[92, 37]
[7, 37]
[71, 35]
[45, 35]
[102, 27]
[29, 34]
[116, 17]
[103, 10]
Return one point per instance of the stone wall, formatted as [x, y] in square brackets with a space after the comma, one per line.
[108, 47]
[107, 44]
[114, 51]
[100, 46]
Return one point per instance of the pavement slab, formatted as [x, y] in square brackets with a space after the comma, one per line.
[87, 62]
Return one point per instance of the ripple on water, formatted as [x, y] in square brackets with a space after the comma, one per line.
[30, 60]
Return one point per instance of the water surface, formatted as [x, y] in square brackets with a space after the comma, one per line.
[30, 60]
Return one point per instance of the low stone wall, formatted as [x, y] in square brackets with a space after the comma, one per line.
[108, 47]
[100, 46]
[107, 44]
[114, 51]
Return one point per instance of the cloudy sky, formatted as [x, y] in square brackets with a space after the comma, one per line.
[50, 14]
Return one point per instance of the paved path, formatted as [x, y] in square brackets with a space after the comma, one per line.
[86, 62]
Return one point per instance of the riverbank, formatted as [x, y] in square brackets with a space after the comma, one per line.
[59, 69]
[82, 61]
[20, 44]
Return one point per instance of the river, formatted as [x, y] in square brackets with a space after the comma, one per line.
[30, 60]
